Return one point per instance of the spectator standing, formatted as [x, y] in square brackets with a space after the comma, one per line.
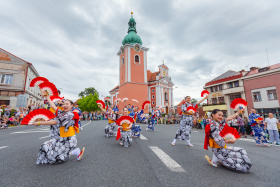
[247, 126]
[271, 125]
[241, 126]
[7, 111]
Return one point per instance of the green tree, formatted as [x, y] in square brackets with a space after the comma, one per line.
[88, 103]
[195, 101]
[87, 91]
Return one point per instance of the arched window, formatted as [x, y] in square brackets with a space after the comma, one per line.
[166, 96]
[136, 59]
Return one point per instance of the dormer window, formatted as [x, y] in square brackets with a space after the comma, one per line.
[263, 69]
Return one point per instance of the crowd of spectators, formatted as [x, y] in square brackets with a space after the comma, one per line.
[12, 117]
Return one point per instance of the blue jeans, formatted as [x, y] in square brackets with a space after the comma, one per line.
[274, 135]
[242, 129]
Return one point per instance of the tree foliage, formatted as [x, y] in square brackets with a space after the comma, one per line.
[194, 101]
[88, 91]
[88, 103]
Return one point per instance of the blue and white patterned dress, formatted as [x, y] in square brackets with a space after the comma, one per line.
[110, 128]
[234, 158]
[186, 123]
[258, 131]
[57, 149]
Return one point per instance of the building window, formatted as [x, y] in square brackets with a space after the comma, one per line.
[153, 96]
[221, 87]
[6, 79]
[214, 100]
[211, 89]
[257, 96]
[166, 96]
[153, 102]
[234, 96]
[136, 59]
[122, 61]
[230, 85]
[216, 88]
[272, 95]
[221, 99]
[236, 83]
[153, 90]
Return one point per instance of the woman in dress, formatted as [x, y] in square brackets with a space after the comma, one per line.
[234, 158]
[186, 122]
[59, 149]
[126, 137]
[111, 116]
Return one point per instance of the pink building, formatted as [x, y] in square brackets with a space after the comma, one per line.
[262, 89]
[135, 81]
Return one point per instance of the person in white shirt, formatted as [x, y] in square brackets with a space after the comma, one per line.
[271, 126]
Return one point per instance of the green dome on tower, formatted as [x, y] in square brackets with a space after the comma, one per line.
[132, 37]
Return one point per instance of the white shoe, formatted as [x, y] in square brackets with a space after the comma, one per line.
[81, 128]
[81, 154]
[190, 145]
[210, 161]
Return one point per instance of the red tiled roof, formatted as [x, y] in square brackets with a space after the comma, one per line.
[117, 87]
[224, 79]
[15, 56]
[152, 76]
[255, 71]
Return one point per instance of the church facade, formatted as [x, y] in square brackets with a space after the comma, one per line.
[135, 81]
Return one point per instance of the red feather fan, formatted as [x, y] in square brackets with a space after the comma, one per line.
[120, 121]
[229, 133]
[191, 109]
[37, 115]
[107, 99]
[117, 99]
[100, 102]
[37, 81]
[204, 93]
[49, 87]
[124, 99]
[124, 119]
[238, 104]
[55, 98]
[145, 103]
[134, 100]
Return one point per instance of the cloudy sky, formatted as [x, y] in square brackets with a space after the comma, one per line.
[74, 43]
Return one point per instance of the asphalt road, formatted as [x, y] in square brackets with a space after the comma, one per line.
[148, 161]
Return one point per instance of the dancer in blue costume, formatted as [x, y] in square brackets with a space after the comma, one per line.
[151, 125]
[258, 131]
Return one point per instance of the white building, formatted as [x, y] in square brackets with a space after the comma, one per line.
[15, 77]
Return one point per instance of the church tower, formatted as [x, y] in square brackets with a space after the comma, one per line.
[133, 67]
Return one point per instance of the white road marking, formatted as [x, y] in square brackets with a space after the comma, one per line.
[143, 137]
[23, 132]
[3, 147]
[253, 141]
[167, 160]
[44, 137]
[86, 124]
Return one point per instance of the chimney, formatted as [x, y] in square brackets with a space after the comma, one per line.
[243, 72]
